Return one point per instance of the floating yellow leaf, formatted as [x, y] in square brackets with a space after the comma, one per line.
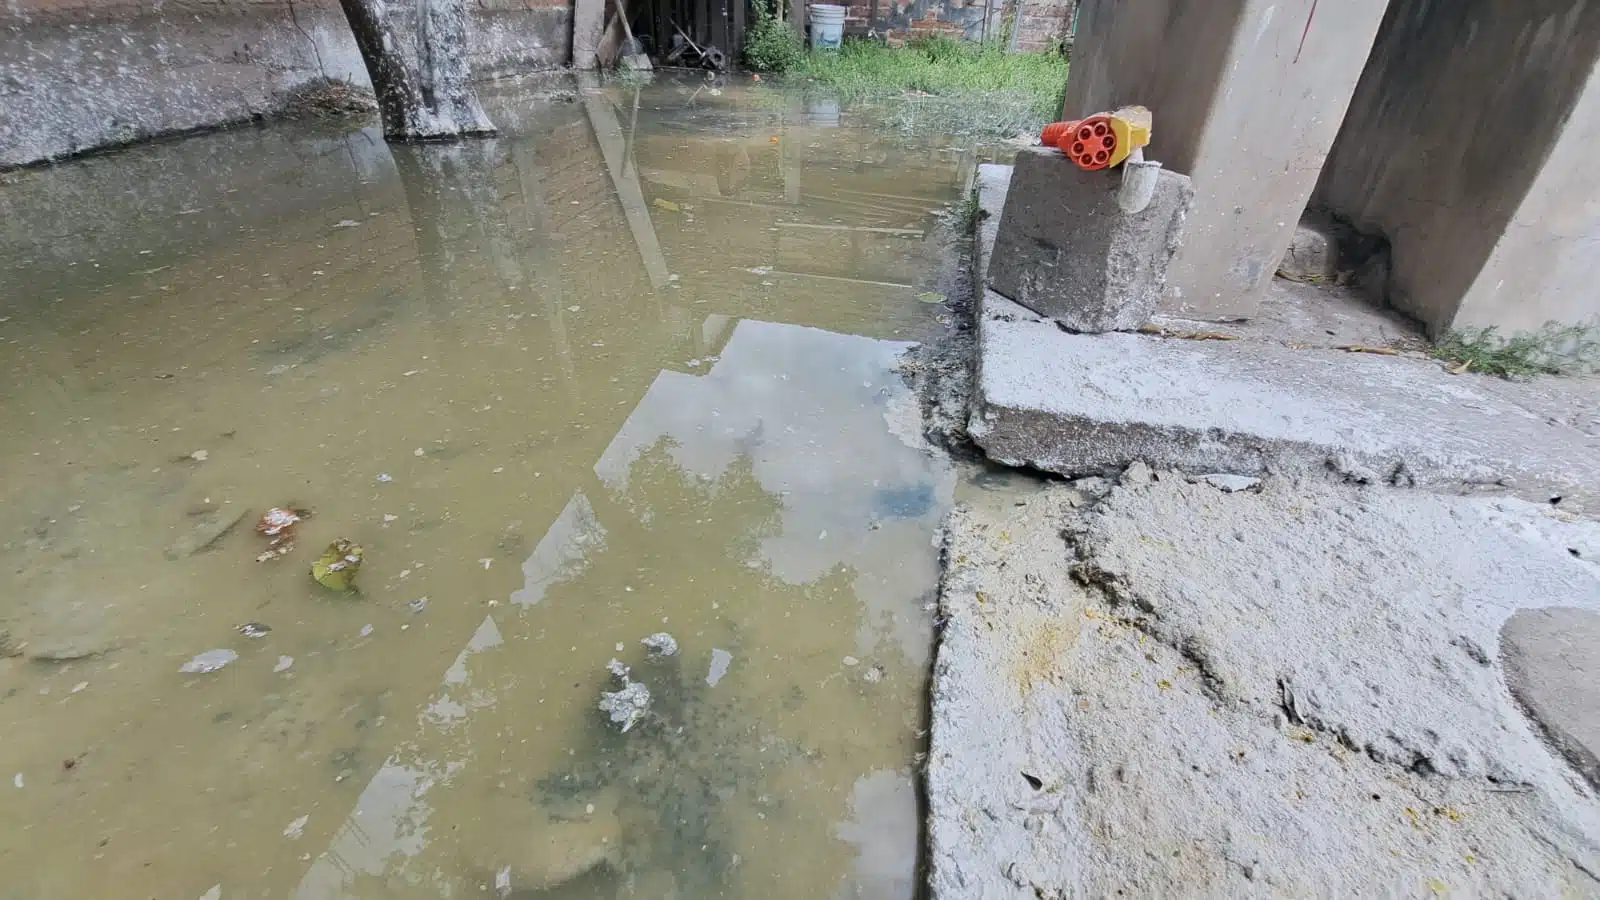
[338, 565]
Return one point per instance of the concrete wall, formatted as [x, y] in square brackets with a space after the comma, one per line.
[1469, 145]
[1247, 97]
[80, 74]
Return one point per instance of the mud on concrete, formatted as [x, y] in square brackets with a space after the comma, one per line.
[1161, 688]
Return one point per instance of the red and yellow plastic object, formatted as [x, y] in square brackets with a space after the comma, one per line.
[1102, 140]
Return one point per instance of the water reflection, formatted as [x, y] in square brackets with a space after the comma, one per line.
[469, 360]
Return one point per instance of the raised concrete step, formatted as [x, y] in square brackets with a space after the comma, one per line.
[1075, 404]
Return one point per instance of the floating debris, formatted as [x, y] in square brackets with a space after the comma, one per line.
[295, 829]
[200, 455]
[16, 781]
[385, 477]
[366, 630]
[337, 567]
[214, 894]
[284, 662]
[207, 662]
[278, 523]
[661, 645]
[873, 675]
[720, 660]
[253, 629]
[628, 704]
[930, 297]
[418, 605]
[851, 661]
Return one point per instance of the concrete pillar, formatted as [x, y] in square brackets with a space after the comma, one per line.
[1469, 145]
[1247, 96]
[588, 21]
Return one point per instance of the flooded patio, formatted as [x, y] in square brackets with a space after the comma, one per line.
[628, 368]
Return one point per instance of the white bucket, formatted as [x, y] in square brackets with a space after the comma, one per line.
[827, 26]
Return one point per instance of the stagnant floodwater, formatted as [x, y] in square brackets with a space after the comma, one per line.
[628, 368]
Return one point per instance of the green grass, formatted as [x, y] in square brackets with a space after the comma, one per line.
[942, 84]
[1553, 350]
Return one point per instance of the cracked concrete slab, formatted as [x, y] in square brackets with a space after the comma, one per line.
[1292, 690]
[1075, 404]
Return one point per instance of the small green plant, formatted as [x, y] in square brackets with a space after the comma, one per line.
[771, 45]
[1554, 349]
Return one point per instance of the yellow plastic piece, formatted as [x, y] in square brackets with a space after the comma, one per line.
[1131, 125]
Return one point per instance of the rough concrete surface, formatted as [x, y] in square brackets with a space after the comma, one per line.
[1066, 250]
[1075, 404]
[1552, 660]
[1284, 691]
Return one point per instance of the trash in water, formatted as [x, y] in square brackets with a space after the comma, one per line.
[873, 675]
[16, 780]
[626, 705]
[278, 523]
[214, 894]
[502, 882]
[200, 456]
[80, 686]
[253, 629]
[930, 297]
[284, 662]
[346, 223]
[337, 567]
[720, 660]
[486, 562]
[296, 828]
[366, 630]
[661, 644]
[209, 661]
[418, 605]
[851, 661]
[385, 477]
[667, 205]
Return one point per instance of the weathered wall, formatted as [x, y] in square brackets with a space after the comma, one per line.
[81, 74]
[1468, 145]
[1247, 97]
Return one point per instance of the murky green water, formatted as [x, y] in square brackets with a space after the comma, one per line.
[628, 368]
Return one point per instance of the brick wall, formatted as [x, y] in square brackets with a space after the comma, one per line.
[1037, 24]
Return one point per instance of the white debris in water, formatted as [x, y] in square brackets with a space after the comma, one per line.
[620, 645]
[346, 223]
[823, 536]
[385, 477]
[284, 662]
[410, 372]
[760, 270]
[873, 675]
[851, 661]
[574, 308]
[200, 455]
[16, 780]
[214, 894]
[720, 660]
[660, 644]
[419, 452]
[418, 605]
[626, 705]
[209, 661]
[502, 882]
[79, 686]
[389, 518]
[486, 562]
[295, 829]
[366, 630]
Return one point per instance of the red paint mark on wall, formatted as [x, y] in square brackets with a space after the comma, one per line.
[1309, 16]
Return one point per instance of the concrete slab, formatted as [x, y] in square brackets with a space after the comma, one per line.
[1173, 691]
[1075, 404]
[1552, 661]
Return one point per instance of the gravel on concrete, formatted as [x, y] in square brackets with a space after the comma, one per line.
[1289, 690]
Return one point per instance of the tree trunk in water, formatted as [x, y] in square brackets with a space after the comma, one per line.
[433, 100]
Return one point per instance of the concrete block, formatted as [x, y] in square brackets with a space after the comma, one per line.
[1552, 659]
[1066, 250]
